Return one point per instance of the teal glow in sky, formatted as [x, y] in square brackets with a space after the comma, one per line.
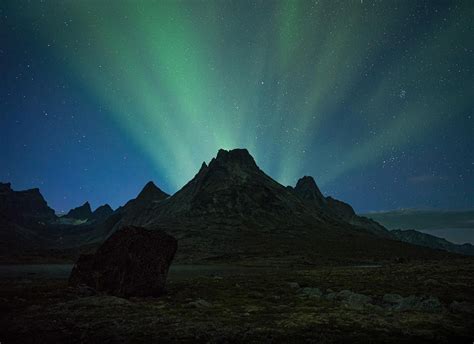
[366, 96]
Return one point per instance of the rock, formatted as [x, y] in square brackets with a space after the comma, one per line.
[253, 309]
[413, 303]
[431, 283]
[331, 296]
[312, 292]
[462, 307]
[392, 299]
[430, 305]
[82, 273]
[199, 303]
[354, 300]
[133, 262]
[406, 304]
[294, 285]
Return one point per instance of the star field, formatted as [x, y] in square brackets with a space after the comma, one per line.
[372, 98]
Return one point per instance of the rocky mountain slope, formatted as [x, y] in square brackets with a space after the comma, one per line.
[232, 210]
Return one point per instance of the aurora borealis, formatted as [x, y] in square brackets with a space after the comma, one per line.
[372, 98]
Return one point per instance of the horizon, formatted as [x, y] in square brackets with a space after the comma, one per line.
[116, 206]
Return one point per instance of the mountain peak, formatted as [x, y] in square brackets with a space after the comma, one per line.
[151, 192]
[82, 212]
[102, 212]
[307, 182]
[239, 156]
[307, 189]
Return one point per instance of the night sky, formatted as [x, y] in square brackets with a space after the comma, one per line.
[374, 99]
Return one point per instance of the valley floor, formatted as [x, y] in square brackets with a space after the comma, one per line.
[431, 301]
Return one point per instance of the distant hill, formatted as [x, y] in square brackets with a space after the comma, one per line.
[423, 239]
[440, 229]
[424, 219]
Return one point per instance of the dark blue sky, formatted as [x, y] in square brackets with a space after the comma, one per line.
[372, 98]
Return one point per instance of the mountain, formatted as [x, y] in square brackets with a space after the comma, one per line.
[101, 213]
[424, 219]
[418, 238]
[232, 210]
[308, 191]
[83, 212]
[26, 207]
[151, 192]
[23, 217]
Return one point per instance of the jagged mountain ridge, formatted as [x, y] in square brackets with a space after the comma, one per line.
[307, 189]
[85, 213]
[231, 208]
[232, 188]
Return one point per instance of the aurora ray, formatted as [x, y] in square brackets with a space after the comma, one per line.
[327, 88]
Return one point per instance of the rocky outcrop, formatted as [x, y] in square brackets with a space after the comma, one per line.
[83, 212]
[132, 262]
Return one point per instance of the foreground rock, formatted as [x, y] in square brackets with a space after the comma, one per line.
[133, 262]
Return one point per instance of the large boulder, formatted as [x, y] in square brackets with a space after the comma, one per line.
[133, 262]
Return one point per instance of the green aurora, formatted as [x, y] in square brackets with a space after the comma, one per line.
[309, 87]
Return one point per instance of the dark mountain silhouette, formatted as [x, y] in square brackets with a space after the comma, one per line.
[424, 219]
[307, 189]
[23, 217]
[232, 210]
[151, 192]
[83, 212]
[329, 207]
[101, 213]
[24, 207]
[423, 239]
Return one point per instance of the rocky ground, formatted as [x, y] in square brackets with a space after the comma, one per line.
[406, 302]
